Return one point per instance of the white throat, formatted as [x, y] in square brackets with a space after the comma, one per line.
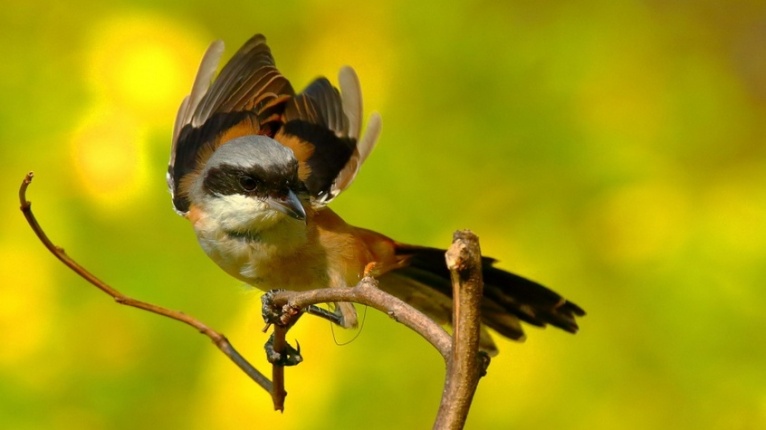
[246, 240]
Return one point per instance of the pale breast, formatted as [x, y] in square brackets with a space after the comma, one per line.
[278, 258]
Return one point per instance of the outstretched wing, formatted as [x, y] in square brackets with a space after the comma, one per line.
[245, 98]
[321, 125]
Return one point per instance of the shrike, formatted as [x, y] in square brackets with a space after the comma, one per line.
[253, 166]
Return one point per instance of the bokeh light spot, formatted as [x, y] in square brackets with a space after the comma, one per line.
[109, 157]
[144, 64]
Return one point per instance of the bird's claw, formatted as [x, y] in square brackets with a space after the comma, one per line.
[289, 357]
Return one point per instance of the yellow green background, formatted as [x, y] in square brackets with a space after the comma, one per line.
[611, 150]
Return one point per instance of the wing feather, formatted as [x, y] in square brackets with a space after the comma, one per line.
[249, 74]
[321, 124]
[201, 84]
[351, 95]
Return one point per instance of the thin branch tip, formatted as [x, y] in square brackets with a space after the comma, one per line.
[218, 339]
[23, 191]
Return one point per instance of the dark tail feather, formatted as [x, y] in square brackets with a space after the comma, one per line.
[507, 297]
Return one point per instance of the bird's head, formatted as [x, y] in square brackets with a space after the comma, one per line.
[249, 184]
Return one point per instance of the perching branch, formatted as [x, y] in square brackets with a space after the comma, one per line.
[218, 339]
[278, 392]
[465, 364]
[366, 292]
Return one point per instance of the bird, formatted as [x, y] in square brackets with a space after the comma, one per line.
[253, 166]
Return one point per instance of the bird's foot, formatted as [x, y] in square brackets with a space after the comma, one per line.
[335, 316]
[283, 316]
[289, 357]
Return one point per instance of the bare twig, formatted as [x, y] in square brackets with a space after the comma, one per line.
[278, 392]
[366, 292]
[466, 365]
[218, 339]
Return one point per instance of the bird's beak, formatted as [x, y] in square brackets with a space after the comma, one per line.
[288, 205]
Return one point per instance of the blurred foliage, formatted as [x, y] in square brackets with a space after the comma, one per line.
[612, 150]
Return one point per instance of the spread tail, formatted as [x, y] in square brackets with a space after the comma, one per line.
[508, 298]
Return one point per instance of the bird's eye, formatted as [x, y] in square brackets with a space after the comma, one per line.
[248, 183]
